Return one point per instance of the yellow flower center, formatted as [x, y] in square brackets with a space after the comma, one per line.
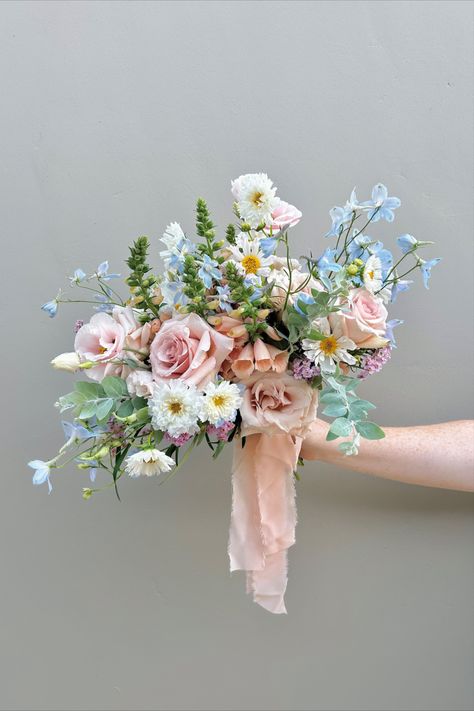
[102, 349]
[175, 407]
[251, 263]
[219, 400]
[256, 198]
[371, 274]
[329, 345]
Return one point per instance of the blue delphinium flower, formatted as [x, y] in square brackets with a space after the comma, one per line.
[209, 271]
[381, 206]
[51, 308]
[103, 272]
[180, 252]
[340, 216]
[326, 263]
[78, 276]
[75, 432]
[223, 297]
[407, 243]
[303, 299]
[363, 246]
[268, 246]
[426, 267]
[398, 287]
[173, 293]
[390, 325]
[42, 471]
[104, 305]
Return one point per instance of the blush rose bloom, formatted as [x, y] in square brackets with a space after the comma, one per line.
[284, 215]
[100, 341]
[365, 322]
[188, 349]
[276, 404]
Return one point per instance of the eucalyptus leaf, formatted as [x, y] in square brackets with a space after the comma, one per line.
[89, 390]
[125, 409]
[88, 410]
[104, 408]
[369, 430]
[114, 387]
[341, 427]
[335, 410]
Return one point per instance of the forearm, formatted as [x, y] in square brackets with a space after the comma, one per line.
[433, 455]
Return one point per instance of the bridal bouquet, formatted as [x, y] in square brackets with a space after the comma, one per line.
[235, 340]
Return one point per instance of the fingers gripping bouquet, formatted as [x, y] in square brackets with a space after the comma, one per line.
[235, 341]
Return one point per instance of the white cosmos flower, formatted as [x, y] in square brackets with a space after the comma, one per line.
[221, 402]
[148, 462]
[255, 196]
[175, 407]
[329, 350]
[171, 238]
[372, 276]
[246, 253]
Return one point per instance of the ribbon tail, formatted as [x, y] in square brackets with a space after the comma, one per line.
[263, 517]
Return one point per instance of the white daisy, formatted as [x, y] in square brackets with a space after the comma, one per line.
[246, 253]
[372, 276]
[171, 238]
[175, 407]
[255, 196]
[221, 402]
[331, 349]
[148, 462]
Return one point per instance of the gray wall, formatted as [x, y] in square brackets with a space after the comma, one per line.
[114, 117]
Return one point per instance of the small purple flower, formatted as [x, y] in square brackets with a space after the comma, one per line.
[221, 432]
[304, 369]
[178, 440]
[374, 362]
[78, 325]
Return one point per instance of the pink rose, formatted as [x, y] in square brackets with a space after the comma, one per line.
[100, 341]
[275, 403]
[284, 215]
[188, 349]
[365, 322]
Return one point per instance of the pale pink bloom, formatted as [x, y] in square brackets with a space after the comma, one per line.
[364, 321]
[188, 349]
[100, 341]
[140, 383]
[284, 215]
[276, 403]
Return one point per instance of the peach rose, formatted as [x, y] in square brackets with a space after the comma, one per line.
[277, 403]
[188, 349]
[365, 322]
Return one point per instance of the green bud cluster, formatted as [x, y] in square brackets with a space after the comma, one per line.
[140, 279]
[194, 289]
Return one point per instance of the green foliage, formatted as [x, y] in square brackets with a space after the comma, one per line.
[140, 280]
[194, 287]
[350, 413]
[230, 234]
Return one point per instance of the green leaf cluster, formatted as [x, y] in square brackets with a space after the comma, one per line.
[101, 400]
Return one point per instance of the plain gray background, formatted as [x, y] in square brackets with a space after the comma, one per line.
[114, 118]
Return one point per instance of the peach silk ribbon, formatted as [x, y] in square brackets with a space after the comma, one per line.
[263, 517]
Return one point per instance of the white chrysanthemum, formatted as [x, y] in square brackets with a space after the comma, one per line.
[331, 349]
[255, 196]
[221, 402]
[148, 462]
[372, 276]
[171, 238]
[175, 407]
[247, 255]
